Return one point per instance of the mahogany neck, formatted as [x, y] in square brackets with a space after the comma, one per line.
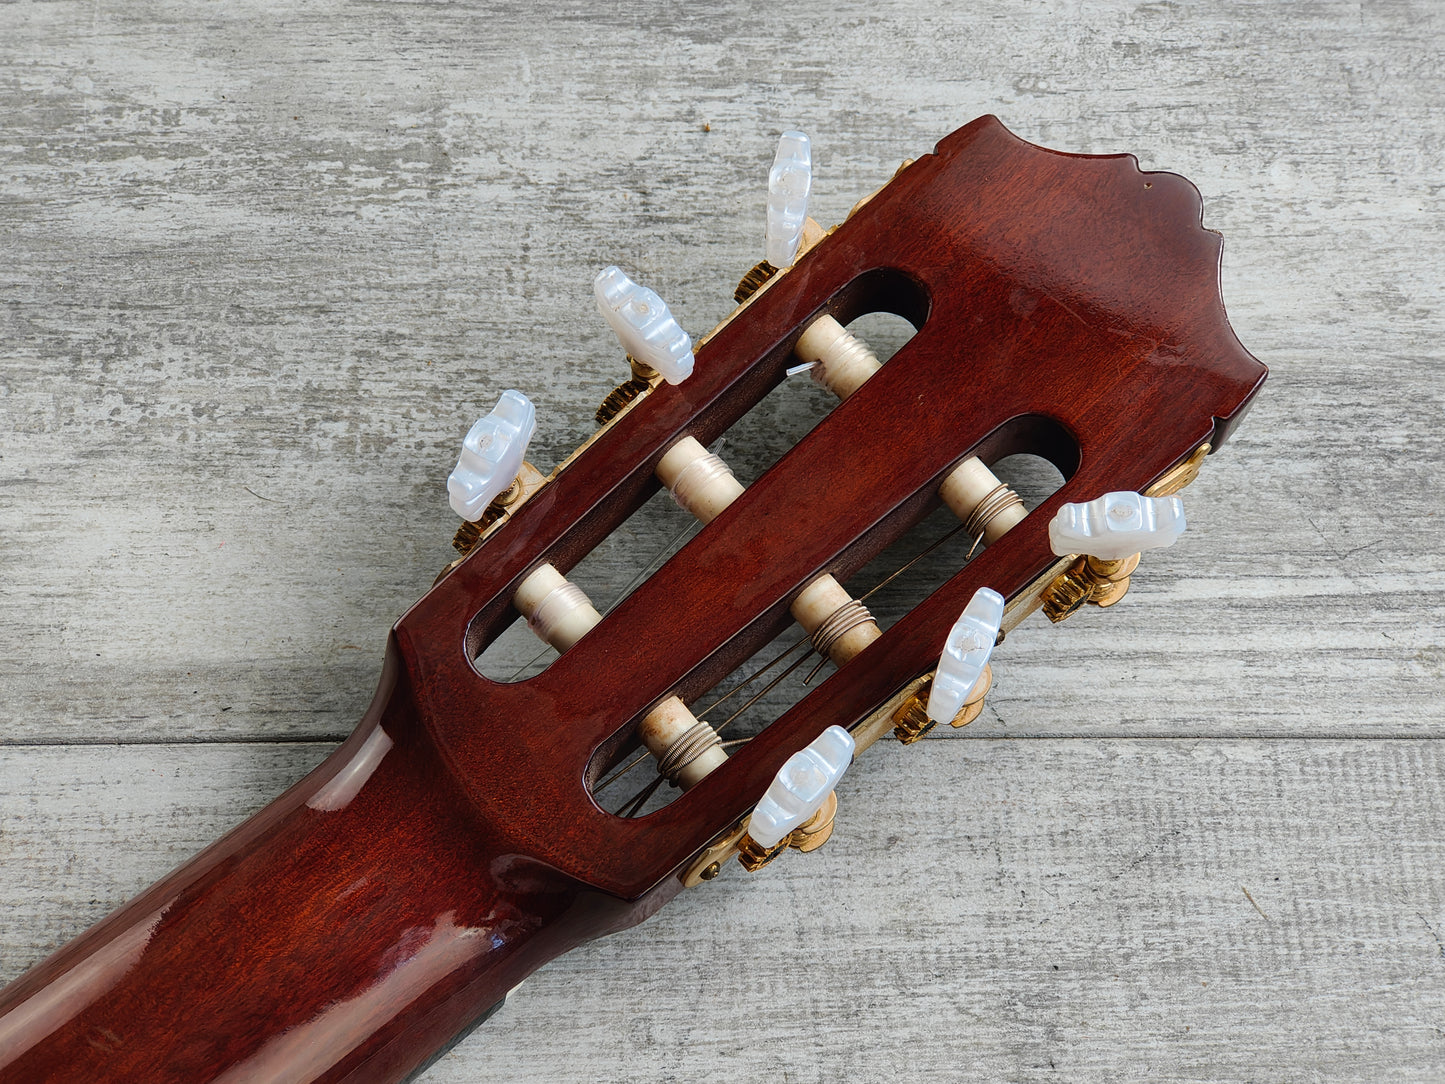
[345, 932]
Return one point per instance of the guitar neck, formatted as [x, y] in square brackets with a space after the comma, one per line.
[345, 932]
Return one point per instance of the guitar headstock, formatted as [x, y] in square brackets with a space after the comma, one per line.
[1065, 306]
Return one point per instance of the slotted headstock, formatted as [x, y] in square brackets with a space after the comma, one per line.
[1066, 306]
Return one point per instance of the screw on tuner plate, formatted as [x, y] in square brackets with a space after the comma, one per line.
[1107, 534]
[797, 808]
[957, 688]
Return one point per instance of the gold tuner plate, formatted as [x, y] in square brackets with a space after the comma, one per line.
[1179, 475]
[862, 202]
[709, 863]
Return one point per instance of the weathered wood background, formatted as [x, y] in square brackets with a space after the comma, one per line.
[260, 267]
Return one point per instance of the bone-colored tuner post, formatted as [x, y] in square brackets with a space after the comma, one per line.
[842, 363]
[702, 483]
[559, 612]
[687, 749]
[698, 480]
[840, 626]
[968, 489]
[556, 609]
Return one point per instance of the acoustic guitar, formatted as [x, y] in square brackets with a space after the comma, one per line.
[465, 834]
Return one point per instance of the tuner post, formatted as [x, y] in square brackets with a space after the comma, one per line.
[1111, 578]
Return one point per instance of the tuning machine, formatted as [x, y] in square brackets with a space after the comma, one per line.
[1107, 534]
[789, 183]
[492, 475]
[798, 807]
[958, 686]
[657, 347]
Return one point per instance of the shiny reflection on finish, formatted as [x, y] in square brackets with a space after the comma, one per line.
[341, 788]
[61, 1001]
[305, 1052]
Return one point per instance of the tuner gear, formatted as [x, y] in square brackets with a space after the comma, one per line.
[639, 382]
[749, 284]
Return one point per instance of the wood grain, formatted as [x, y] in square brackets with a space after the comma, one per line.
[260, 269]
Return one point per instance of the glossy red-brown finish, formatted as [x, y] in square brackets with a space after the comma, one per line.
[1066, 305]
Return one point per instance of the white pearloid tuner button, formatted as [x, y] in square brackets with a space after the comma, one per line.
[644, 324]
[1116, 525]
[492, 455]
[801, 787]
[789, 182]
[965, 654]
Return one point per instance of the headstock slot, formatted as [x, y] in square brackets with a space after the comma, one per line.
[892, 603]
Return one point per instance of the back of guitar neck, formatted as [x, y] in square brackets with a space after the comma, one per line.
[346, 932]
